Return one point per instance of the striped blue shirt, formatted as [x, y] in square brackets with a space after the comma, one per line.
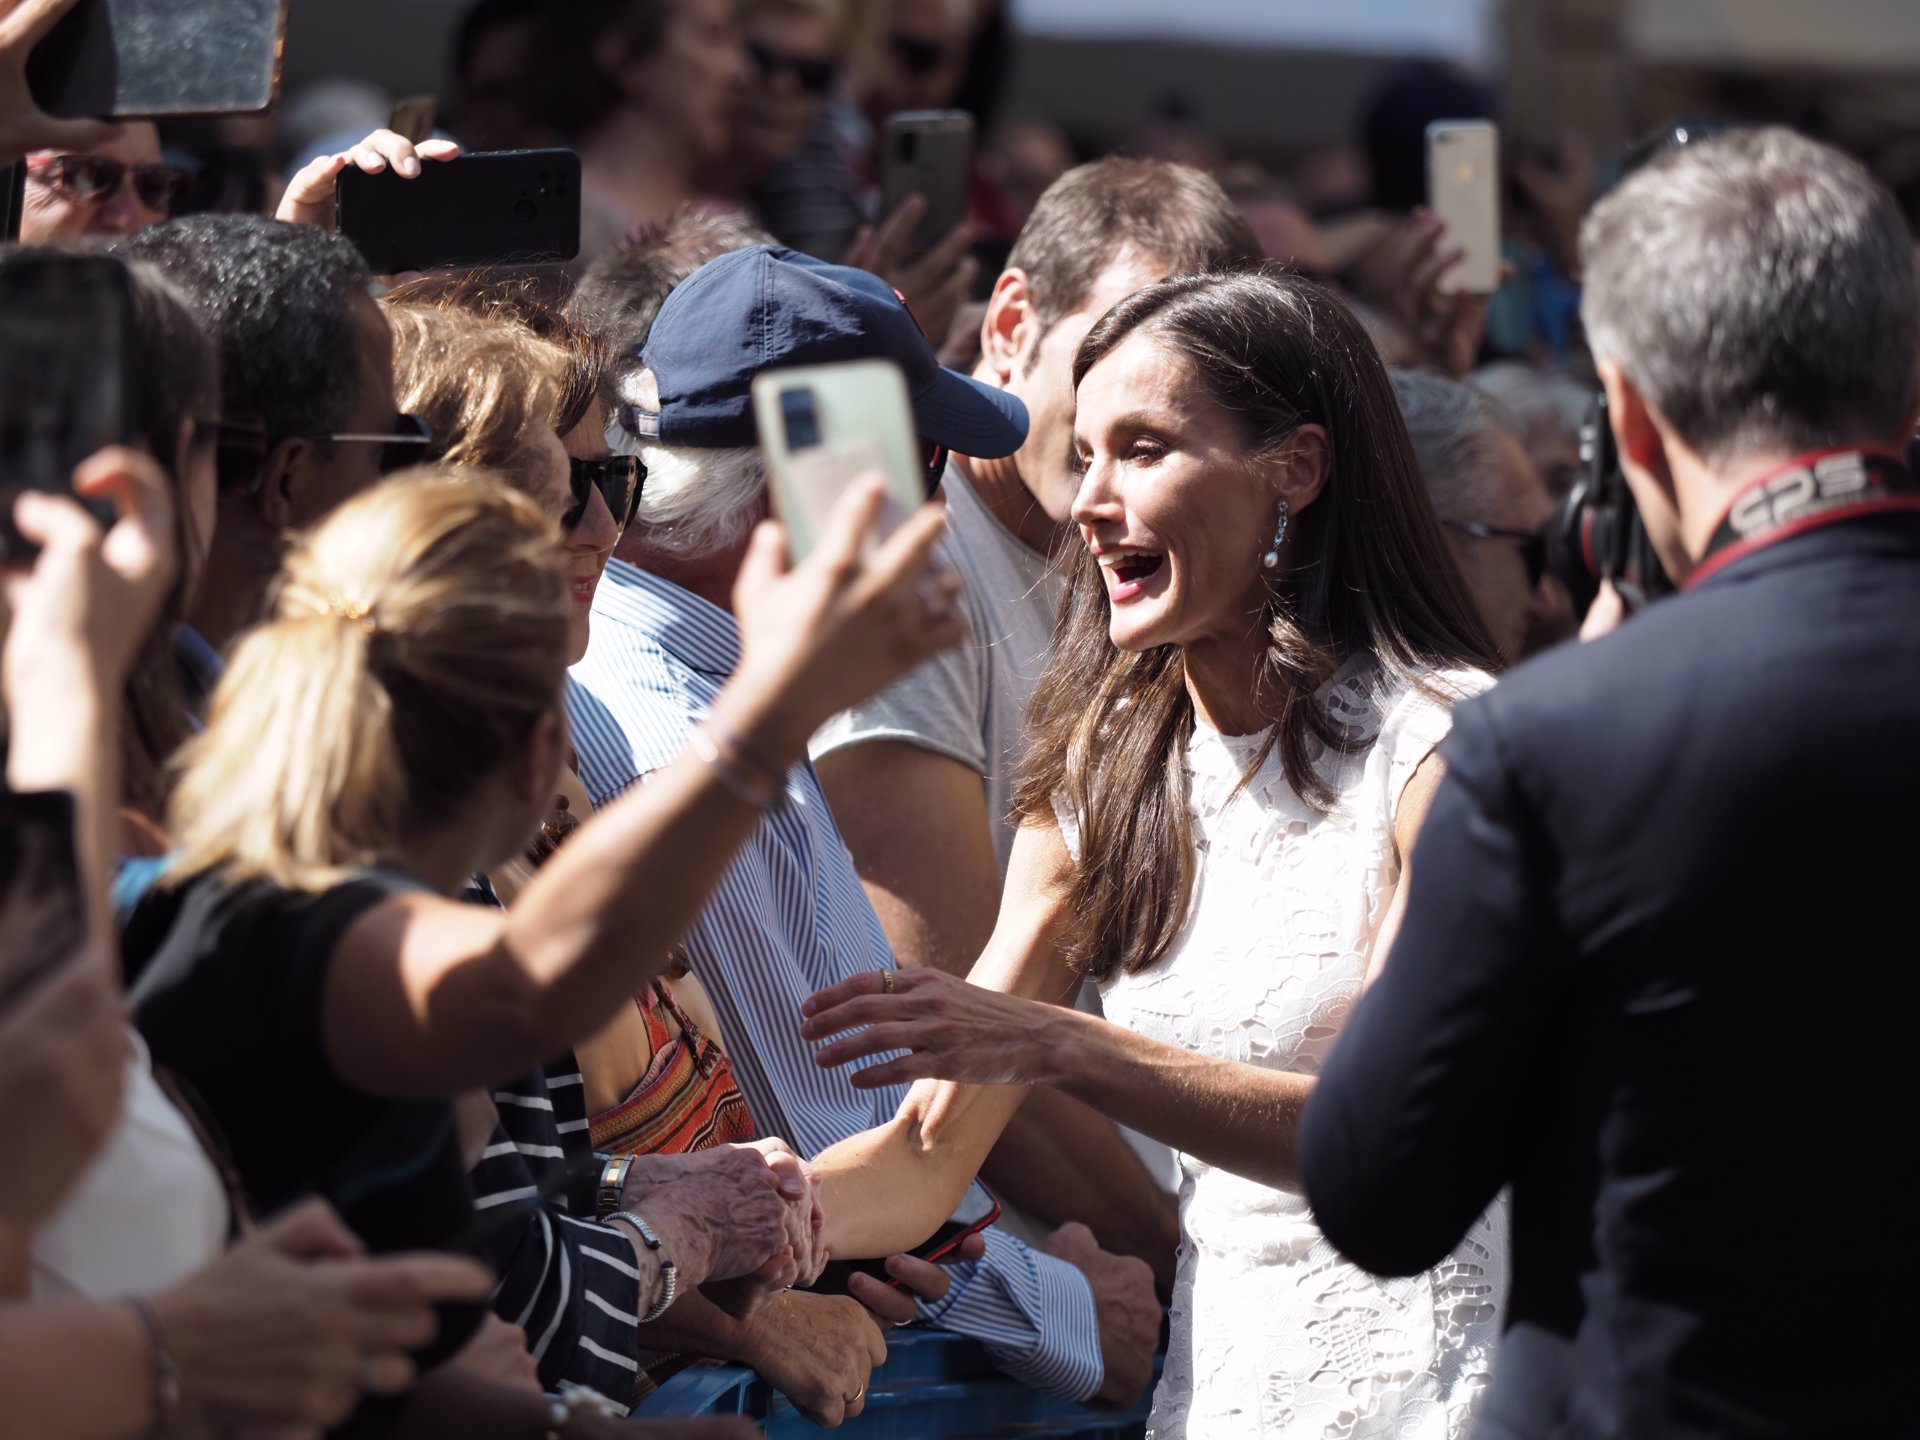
[789, 918]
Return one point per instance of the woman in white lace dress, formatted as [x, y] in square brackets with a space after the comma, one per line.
[1229, 760]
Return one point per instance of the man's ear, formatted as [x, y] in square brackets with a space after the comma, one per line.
[1009, 329]
[281, 472]
[1636, 433]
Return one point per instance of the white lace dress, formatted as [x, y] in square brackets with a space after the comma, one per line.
[1273, 1334]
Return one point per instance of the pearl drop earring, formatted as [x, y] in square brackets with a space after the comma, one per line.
[1271, 560]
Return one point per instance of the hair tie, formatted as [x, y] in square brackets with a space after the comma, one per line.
[351, 611]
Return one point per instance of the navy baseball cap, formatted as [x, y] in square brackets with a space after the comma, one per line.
[768, 308]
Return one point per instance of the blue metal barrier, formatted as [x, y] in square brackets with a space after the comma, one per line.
[934, 1384]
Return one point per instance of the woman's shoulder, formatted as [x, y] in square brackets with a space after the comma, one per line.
[197, 922]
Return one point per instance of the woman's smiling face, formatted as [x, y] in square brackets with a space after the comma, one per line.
[1170, 504]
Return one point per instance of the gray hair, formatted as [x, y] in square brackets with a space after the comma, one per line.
[1455, 431]
[1758, 289]
[696, 502]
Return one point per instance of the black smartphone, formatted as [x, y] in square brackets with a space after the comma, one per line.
[132, 58]
[43, 918]
[927, 153]
[67, 374]
[505, 207]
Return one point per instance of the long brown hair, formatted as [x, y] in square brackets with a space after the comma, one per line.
[1370, 573]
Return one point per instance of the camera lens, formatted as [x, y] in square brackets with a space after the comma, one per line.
[801, 418]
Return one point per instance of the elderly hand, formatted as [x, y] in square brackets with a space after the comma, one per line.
[294, 1325]
[951, 1030]
[738, 1213]
[63, 1057]
[1128, 1308]
[309, 198]
[24, 125]
[821, 1350]
[935, 285]
[918, 1282]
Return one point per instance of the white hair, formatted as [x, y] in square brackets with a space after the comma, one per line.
[1455, 430]
[695, 502]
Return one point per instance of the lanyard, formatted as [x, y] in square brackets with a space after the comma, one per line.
[1808, 492]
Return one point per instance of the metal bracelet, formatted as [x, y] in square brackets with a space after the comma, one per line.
[669, 1272]
[166, 1374]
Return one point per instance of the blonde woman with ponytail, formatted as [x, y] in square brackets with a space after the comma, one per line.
[396, 726]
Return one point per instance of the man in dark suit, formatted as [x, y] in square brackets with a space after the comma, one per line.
[1656, 968]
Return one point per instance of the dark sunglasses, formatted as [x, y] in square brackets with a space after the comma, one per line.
[811, 75]
[618, 478]
[95, 178]
[1532, 543]
[918, 57]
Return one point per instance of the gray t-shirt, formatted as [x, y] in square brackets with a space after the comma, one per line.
[971, 702]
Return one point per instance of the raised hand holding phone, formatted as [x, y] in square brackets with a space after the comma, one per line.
[311, 195]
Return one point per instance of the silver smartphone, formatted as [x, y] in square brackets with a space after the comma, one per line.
[824, 426]
[927, 153]
[1463, 190]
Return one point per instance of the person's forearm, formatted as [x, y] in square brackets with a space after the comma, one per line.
[696, 1326]
[1242, 1118]
[595, 924]
[74, 1370]
[1061, 1161]
[65, 741]
[888, 1189]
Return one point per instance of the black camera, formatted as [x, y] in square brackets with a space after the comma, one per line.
[1598, 534]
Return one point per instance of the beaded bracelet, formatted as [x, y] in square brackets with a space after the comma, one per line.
[166, 1374]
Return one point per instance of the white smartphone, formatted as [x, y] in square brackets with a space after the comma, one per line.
[927, 153]
[824, 426]
[1463, 190]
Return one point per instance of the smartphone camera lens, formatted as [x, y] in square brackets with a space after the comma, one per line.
[801, 418]
[908, 146]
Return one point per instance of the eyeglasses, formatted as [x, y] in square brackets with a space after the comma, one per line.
[918, 57]
[1532, 543]
[407, 445]
[618, 478]
[95, 178]
[812, 75]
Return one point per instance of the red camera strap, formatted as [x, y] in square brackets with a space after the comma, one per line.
[1810, 491]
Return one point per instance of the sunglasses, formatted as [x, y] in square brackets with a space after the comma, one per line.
[918, 57]
[811, 75]
[618, 478]
[96, 178]
[1532, 543]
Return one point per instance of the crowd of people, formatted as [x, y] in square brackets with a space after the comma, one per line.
[484, 929]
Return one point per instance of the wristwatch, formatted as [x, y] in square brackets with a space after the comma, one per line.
[613, 1179]
[669, 1273]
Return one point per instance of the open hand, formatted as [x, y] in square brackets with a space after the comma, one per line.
[309, 198]
[843, 624]
[952, 1030]
[934, 285]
